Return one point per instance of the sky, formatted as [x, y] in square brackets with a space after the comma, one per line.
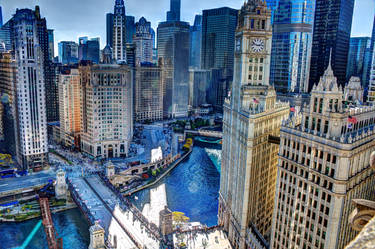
[71, 19]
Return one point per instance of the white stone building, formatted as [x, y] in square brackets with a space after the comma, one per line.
[323, 165]
[107, 119]
[251, 125]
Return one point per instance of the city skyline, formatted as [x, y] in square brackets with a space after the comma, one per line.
[94, 25]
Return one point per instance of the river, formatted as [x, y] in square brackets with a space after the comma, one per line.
[192, 187]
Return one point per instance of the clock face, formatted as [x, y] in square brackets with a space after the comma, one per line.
[257, 45]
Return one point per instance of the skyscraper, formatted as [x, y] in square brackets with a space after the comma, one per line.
[252, 120]
[356, 57]
[196, 42]
[174, 50]
[119, 32]
[27, 35]
[143, 41]
[332, 28]
[291, 45]
[99, 137]
[89, 49]
[218, 29]
[368, 61]
[1, 17]
[68, 52]
[174, 13]
[323, 165]
[109, 27]
[148, 92]
[51, 45]
[130, 28]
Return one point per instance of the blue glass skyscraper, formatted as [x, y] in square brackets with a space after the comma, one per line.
[357, 57]
[174, 13]
[196, 42]
[332, 28]
[1, 17]
[291, 45]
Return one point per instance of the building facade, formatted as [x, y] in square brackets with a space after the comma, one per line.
[196, 42]
[198, 87]
[119, 32]
[323, 165]
[173, 15]
[291, 45]
[357, 56]
[332, 28]
[371, 87]
[252, 120]
[70, 106]
[107, 110]
[148, 93]
[143, 41]
[30, 85]
[68, 52]
[89, 49]
[218, 32]
[51, 45]
[174, 50]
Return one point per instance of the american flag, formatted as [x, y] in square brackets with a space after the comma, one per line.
[352, 120]
[255, 101]
[292, 109]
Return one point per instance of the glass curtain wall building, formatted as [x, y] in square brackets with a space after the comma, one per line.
[291, 45]
[357, 57]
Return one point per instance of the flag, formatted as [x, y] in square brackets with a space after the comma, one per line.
[350, 126]
[255, 101]
[292, 109]
[352, 120]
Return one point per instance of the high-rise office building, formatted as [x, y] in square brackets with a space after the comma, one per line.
[107, 122]
[196, 42]
[68, 52]
[174, 50]
[291, 45]
[251, 125]
[89, 49]
[368, 60]
[29, 44]
[218, 29]
[51, 45]
[323, 165]
[5, 39]
[332, 28]
[356, 58]
[143, 41]
[130, 28]
[109, 29]
[148, 92]
[70, 106]
[198, 87]
[119, 32]
[371, 87]
[1, 17]
[175, 11]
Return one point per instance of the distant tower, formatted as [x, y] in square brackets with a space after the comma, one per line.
[96, 236]
[119, 32]
[174, 13]
[60, 187]
[1, 17]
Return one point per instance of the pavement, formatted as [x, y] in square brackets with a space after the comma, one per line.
[9, 185]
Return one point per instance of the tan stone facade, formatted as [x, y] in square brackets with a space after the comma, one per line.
[323, 165]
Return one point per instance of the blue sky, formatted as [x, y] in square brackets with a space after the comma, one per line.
[74, 18]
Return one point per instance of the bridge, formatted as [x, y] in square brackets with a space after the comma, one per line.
[204, 133]
[49, 228]
[123, 223]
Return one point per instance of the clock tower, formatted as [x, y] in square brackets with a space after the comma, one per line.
[251, 116]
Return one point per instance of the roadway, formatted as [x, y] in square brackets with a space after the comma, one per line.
[15, 184]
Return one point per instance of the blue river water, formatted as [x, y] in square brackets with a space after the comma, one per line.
[192, 187]
[70, 225]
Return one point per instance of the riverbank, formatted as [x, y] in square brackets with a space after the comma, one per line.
[157, 180]
[21, 217]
